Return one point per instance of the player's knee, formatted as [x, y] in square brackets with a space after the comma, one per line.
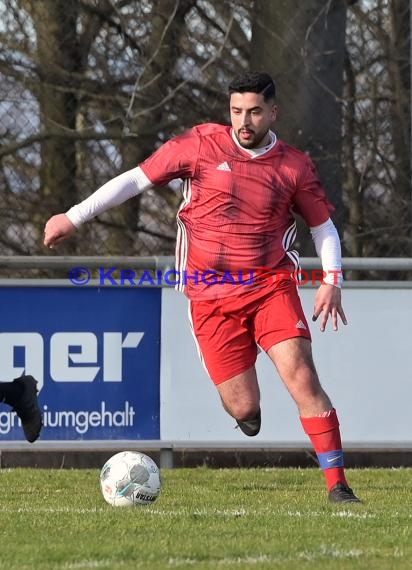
[243, 410]
[304, 386]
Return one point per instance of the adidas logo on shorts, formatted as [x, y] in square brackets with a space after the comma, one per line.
[300, 325]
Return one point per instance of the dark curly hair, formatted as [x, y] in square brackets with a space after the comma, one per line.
[254, 82]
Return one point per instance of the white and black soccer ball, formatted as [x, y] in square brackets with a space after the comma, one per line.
[130, 478]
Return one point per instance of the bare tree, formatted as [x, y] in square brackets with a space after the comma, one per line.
[377, 130]
[141, 126]
[89, 88]
[107, 81]
[57, 57]
[303, 44]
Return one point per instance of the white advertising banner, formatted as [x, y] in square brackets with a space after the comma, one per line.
[365, 367]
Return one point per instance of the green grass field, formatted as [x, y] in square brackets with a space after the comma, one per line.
[206, 518]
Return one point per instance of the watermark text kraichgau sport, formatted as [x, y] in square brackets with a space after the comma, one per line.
[119, 277]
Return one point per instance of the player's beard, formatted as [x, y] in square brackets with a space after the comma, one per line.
[254, 141]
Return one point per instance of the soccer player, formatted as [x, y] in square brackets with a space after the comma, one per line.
[21, 395]
[241, 189]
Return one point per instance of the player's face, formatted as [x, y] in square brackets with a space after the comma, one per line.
[251, 117]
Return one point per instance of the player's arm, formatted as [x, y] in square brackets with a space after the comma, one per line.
[328, 297]
[177, 158]
[111, 194]
[311, 203]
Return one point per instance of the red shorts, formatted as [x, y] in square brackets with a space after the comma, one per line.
[228, 330]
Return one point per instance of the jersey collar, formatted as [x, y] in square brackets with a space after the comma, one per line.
[255, 152]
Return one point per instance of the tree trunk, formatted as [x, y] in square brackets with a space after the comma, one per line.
[152, 85]
[302, 45]
[57, 50]
[352, 178]
[399, 73]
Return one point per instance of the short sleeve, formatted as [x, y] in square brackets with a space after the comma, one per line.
[176, 158]
[310, 200]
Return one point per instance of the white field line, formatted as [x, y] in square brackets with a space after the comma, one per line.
[89, 564]
[184, 511]
[324, 552]
[350, 514]
[52, 510]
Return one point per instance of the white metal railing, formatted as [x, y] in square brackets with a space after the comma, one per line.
[166, 262]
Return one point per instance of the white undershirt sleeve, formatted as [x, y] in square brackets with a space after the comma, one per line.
[328, 248]
[113, 193]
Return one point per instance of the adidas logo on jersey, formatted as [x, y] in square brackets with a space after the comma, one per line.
[224, 166]
[300, 325]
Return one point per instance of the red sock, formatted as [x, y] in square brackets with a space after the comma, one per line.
[325, 437]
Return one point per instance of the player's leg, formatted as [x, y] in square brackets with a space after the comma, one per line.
[293, 360]
[10, 392]
[240, 397]
[21, 395]
[282, 330]
[228, 353]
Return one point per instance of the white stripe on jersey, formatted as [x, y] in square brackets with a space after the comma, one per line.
[288, 239]
[294, 257]
[181, 238]
[289, 236]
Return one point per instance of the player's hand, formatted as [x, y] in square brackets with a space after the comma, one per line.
[58, 229]
[328, 303]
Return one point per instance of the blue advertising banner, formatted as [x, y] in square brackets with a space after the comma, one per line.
[95, 353]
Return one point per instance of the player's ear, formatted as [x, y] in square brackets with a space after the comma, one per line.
[274, 112]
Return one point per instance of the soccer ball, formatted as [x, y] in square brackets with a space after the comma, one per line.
[130, 478]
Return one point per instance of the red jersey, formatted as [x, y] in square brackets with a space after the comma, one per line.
[237, 214]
